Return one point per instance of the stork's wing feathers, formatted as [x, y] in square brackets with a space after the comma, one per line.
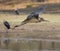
[38, 11]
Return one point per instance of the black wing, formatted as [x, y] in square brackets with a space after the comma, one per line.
[38, 11]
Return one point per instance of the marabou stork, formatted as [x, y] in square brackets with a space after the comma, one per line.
[35, 14]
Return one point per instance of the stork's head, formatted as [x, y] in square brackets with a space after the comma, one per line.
[6, 24]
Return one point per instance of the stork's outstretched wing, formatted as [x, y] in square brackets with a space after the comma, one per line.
[38, 11]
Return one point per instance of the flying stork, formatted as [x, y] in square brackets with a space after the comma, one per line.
[35, 14]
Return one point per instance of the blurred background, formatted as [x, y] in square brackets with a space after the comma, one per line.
[42, 36]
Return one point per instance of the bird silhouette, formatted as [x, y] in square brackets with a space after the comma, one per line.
[35, 14]
[16, 11]
[6, 24]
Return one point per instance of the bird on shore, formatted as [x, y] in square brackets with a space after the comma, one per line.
[7, 25]
[16, 11]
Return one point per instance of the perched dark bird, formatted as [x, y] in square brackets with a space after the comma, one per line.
[6, 24]
[16, 11]
[35, 14]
